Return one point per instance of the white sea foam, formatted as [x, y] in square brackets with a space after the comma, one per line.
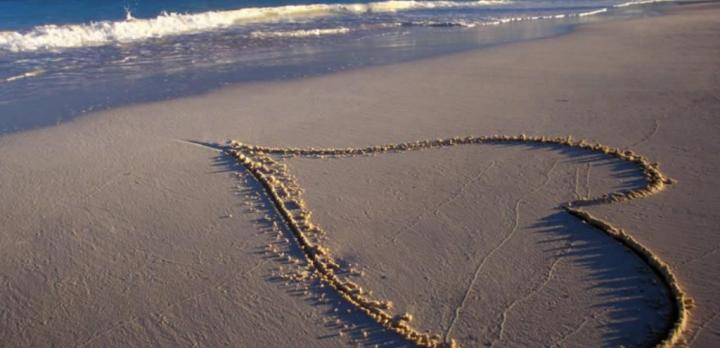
[565, 15]
[439, 24]
[169, 24]
[592, 13]
[506, 20]
[639, 2]
[300, 33]
[54, 37]
[25, 75]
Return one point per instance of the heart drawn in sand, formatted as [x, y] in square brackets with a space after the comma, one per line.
[265, 164]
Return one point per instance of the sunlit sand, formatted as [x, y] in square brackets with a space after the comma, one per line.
[286, 194]
[132, 227]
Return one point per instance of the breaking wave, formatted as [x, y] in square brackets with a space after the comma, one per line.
[49, 37]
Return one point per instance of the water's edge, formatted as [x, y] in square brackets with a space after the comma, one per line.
[48, 111]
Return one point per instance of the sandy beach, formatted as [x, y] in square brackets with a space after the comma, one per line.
[133, 227]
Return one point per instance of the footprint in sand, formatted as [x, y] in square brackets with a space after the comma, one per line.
[270, 167]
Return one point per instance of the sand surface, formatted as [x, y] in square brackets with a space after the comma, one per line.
[118, 230]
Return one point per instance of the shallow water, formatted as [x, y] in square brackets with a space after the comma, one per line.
[62, 59]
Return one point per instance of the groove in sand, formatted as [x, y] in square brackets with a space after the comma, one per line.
[286, 194]
[437, 208]
[479, 268]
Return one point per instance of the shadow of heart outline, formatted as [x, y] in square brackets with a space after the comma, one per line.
[285, 193]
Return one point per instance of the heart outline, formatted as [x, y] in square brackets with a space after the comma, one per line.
[286, 192]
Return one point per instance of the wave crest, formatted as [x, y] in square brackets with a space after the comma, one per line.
[51, 37]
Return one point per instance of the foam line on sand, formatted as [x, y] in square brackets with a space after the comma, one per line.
[265, 164]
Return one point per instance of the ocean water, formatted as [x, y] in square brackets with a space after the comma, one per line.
[60, 59]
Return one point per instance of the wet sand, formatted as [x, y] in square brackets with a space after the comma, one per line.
[130, 228]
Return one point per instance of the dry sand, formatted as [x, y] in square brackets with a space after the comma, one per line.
[117, 231]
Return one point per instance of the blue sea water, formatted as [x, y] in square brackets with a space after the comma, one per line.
[59, 59]
[23, 14]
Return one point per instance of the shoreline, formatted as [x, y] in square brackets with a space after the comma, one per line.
[77, 107]
[119, 232]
